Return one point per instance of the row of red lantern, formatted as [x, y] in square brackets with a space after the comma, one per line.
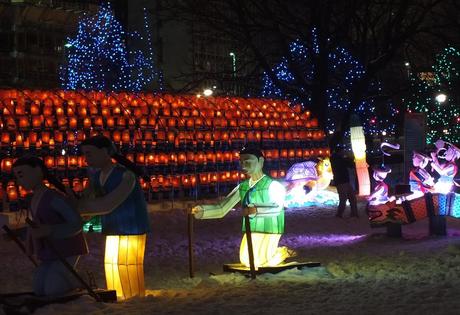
[49, 138]
[102, 121]
[55, 98]
[140, 112]
[174, 158]
[13, 192]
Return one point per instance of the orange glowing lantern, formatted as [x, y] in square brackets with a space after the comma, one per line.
[37, 121]
[34, 109]
[45, 137]
[110, 122]
[49, 161]
[7, 163]
[82, 111]
[59, 111]
[130, 156]
[77, 185]
[6, 139]
[150, 159]
[87, 122]
[121, 122]
[98, 122]
[61, 161]
[190, 156]
[22, 192]
[182, 158]
[126, 137]
[204, 178]
[12, 191]
[116, 136]
[24, 122]
[47, 110]
[73, 161]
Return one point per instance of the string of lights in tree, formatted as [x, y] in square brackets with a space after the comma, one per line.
[98, 58]
[437, 97]
[344, 71]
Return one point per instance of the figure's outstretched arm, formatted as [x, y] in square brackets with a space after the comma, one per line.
[274, 206]
[220, 209]
[107, 203]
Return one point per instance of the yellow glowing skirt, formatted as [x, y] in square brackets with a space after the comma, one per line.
[124, 264]
[265, 248]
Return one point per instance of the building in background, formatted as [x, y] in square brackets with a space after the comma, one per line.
[192, 57]
[33, 37]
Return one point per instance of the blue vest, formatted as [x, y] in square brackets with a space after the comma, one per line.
[130, 217]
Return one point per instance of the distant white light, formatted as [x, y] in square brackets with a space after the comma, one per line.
[384, 133]
[441, 97]
[63, 152]
[407, 64]
[207, 92]
[214, 87]
[198, 95]
[331, 132]
[67, 45]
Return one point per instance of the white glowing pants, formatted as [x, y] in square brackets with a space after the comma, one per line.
[266, 250]
[124, 264]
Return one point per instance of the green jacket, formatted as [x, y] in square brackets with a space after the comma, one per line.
[258, 194]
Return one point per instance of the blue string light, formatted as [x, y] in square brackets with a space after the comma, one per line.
[345, 71]
[98, 59]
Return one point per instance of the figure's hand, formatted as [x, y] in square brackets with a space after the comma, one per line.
[195, 210]
[249, 210]
[41, 231]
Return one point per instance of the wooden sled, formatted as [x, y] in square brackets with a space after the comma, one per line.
[272, 269]
[28, 302]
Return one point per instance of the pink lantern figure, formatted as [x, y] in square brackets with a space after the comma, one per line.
[446, 170]
[420, 180]
[380, 194]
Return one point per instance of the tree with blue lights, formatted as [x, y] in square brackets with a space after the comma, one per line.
[343, 72]
[98, 57]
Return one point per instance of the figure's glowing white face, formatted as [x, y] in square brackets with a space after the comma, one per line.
[250, 164]
[379, 176]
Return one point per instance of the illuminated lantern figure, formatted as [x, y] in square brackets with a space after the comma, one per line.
[380, 194]
[262, 198]
[419, 179]
[447, 170]
[358, 145]
[304, 177]
[56, 223]
[118, 198]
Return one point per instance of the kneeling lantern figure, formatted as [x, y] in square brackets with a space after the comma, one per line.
[262, 198]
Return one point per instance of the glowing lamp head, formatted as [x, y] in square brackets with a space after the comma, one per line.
[441, 98]
[207, 92]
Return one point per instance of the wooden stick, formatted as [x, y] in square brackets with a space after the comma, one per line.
[250, 249]
[66, 264]
[190, 245]
[19, 243]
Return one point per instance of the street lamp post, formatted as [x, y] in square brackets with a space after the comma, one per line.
[233, 55]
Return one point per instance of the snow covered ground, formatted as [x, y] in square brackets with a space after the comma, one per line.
[363, 271]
